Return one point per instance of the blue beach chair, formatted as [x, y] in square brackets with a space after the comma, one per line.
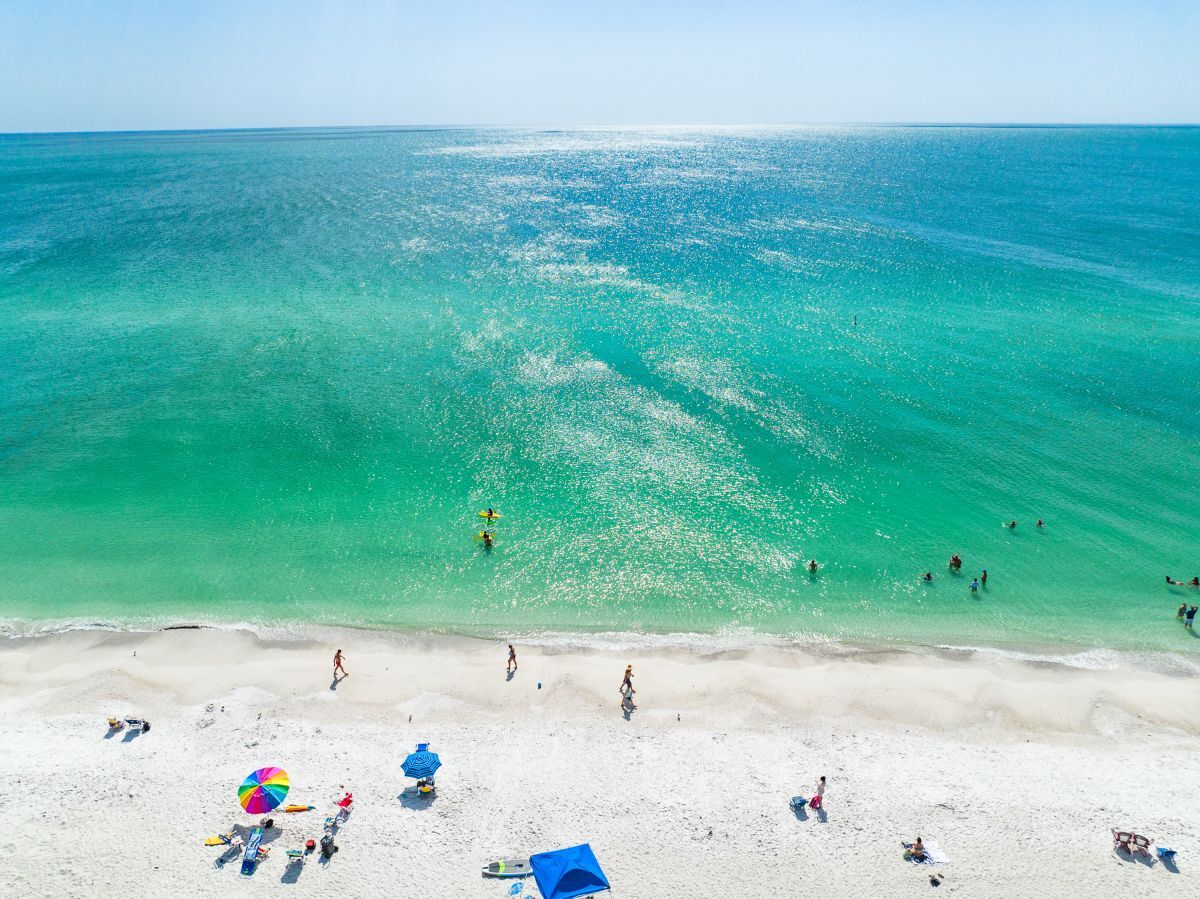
[1167, 855]
[250, 858]
[798, 803]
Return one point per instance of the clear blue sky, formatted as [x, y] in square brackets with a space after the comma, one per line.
[124, 64]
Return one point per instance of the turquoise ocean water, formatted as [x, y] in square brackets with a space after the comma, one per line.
[271, 377]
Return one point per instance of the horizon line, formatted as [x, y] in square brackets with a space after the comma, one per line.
[599, 126]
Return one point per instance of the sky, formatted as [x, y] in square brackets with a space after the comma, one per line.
[68, 65]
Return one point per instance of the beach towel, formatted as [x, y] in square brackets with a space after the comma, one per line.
[933, 855]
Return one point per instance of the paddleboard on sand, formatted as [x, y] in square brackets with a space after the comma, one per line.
[223, 839]
[299, 808]
[508, 867]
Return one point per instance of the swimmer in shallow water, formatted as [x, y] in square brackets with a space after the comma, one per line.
[927, 576]
[1012, 525]
[812, 566]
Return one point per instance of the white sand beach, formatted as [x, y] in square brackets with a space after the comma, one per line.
[1018, 770]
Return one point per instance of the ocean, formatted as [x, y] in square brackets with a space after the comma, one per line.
[270, 377]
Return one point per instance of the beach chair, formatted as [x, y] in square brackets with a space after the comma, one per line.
[798, 803]
[115, 724]
[1141, 843]
[252, 856]
[1122, 839]
[296, 856]
[1165, 854]
[138, 724]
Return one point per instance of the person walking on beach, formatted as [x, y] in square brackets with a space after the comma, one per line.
[819, 800]
[626, 689]
[338, 658]
[1190, 617]
[512, 658]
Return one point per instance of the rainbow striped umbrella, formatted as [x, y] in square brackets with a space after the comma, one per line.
[263, 790]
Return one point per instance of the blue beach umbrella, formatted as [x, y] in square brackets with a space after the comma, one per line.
[421, 763]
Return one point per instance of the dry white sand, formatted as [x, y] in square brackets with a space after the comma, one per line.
[1018, 770]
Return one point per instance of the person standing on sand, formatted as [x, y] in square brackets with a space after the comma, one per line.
[512, 658]
[337, 665]
[626, 689]
[818, 801]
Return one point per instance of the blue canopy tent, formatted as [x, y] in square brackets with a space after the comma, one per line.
[564, 873]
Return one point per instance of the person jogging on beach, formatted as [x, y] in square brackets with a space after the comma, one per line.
[512, 658]
[338, 658]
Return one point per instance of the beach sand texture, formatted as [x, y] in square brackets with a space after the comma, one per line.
[1018, 770]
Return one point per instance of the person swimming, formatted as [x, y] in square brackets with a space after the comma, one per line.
[955, 562]
[927, 576]
[1040, 523]
[1012, 525]
[812, 566]
[488, 540]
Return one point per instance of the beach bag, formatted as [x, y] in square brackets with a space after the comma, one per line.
[815, 802]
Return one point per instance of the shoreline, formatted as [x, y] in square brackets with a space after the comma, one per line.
[994, 758]
[729, 640]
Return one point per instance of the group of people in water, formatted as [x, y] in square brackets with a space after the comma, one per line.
[955, 565]
[1185, 613]
[488, 535]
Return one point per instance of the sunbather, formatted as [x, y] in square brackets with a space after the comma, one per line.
[915, 851]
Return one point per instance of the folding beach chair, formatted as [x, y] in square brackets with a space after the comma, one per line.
[1122, 840]
[1141, 843]
[1165, 854]
[798, 802]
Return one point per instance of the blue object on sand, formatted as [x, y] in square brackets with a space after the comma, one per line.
[250, 857]
[421, 763]
[565, 873]
[1167, 855]
[798, 802]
